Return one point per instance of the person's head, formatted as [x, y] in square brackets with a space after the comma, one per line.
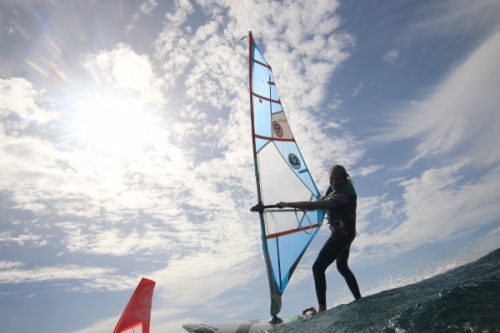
[338, 177]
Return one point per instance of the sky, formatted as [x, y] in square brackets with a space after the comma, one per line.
[125, 150]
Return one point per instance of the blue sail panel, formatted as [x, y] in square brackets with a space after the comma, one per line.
[286, 249]
[281, 175]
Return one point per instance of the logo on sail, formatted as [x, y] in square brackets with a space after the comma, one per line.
[278, 130]
[294, 161]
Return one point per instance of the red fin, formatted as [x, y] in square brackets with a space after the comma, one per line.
[138, 309]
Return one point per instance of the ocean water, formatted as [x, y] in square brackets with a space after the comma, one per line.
[464, 299]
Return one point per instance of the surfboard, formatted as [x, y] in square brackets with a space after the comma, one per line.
[243, 326]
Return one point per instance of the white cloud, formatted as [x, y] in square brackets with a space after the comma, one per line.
[48, 273]
[23, 239]
[123, 69]
[21, 100]
[145, 8]
[390, 56]
[438, 206]
[367, 170]
[214, 79]
[357, 90]
[461, 115]
[4, 264]
[457, 17]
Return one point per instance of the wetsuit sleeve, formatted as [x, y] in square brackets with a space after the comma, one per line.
[334, 200]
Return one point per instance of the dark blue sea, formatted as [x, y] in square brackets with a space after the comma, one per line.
[464, 299]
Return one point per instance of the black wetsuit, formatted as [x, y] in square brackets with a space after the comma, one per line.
[341, 215]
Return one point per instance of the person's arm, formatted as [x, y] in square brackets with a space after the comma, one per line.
[321, 203]
[334, 200]
[303, 205]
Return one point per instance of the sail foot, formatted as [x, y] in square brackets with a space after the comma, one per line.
[275, 304]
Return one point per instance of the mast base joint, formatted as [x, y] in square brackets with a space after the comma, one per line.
[275, 320]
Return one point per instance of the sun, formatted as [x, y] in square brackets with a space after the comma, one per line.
[116, 124]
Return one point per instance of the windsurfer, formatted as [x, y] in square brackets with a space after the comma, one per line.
[340, 204]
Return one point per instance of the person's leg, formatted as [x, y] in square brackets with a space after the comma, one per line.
[332, 248]
[344, 270]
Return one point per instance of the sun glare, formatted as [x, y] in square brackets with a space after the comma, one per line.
[116, 124]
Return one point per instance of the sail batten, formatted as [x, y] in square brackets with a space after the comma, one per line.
[288, 232]
[271, 138]
[267, 98]
[281, 175]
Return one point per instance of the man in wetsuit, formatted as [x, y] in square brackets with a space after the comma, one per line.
[340, 205]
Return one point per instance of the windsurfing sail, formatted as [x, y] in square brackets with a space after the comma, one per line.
[282, 175]
[135, 318]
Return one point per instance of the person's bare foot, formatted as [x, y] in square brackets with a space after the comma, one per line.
[321, 308]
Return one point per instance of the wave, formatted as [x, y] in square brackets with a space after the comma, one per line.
[463, 299]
